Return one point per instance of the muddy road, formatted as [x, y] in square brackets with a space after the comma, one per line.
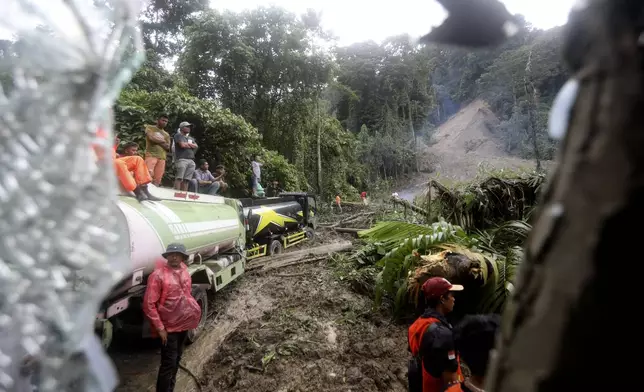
[298, 328]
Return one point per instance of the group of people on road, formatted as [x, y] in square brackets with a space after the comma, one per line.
[437, 347]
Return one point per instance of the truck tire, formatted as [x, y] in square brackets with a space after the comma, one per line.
[105, 333]
[310, 233]
[275, 248]
[201, 297]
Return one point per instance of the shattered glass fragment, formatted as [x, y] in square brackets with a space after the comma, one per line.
[60, 248]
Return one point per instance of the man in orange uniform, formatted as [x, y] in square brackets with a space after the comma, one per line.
[431, 342]
[130, 162]
[138, 184]
[475, 337]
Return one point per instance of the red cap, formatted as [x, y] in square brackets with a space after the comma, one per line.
[435, 287]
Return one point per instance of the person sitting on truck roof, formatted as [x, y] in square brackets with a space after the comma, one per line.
[136, 183]
[203, 181]
[172, 311]
[133, 173]
[220, 174]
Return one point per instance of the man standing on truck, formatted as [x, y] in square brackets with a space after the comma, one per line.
[256, 167]
[157, 145]
[184, 155]
[172, 310]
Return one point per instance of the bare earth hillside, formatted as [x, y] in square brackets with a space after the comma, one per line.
[465, 142]
[462, 147]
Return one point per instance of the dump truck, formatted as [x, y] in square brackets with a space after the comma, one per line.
[214, 232]
[278, 223]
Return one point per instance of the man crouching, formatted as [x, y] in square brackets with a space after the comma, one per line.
[169, 305]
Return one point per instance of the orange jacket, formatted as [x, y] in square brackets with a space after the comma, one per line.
[415, 337]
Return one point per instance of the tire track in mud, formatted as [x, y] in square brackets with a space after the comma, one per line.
[240, 303]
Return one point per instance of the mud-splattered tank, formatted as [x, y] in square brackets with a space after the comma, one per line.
[205, 224]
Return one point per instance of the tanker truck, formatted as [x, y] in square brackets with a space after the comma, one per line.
[278, 223]
[214, 232]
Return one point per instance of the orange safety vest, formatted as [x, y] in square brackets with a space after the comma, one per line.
[415, 337]
[454, 388]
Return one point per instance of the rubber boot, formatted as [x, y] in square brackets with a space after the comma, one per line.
[147, 193]
[140, 196]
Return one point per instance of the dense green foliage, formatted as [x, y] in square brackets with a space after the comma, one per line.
[270, 82]
[400, 256]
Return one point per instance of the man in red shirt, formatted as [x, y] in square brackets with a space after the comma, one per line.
[169, 305]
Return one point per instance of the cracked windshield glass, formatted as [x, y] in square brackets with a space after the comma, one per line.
[291, 196]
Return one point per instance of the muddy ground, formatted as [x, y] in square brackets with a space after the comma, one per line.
[299, 328]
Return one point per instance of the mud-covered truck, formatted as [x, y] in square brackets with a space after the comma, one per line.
[211, 227]
[277, 223]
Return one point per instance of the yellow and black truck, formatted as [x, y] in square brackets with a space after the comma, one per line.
[277, 223]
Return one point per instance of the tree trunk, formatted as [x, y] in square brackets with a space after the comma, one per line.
[531, 93]
[564, 324]
[413, 135]
[319, 142]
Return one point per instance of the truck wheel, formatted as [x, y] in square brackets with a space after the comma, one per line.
[275, 248]
[310, 233]
[201, 297]
[105, 332]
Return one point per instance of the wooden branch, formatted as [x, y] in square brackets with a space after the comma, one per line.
[583, 252]
[285, 259]
[406, 204]
[348, 230]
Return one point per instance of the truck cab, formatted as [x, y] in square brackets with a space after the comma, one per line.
[277, 223]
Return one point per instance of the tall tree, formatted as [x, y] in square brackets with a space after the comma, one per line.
[163, 21]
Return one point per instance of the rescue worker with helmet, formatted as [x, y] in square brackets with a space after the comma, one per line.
[435, 364]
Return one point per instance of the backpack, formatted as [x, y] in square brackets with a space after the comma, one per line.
[415, 364]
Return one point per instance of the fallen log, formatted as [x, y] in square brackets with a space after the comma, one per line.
[349, 219]
[348, 230]
[272, 267]
[285, 258]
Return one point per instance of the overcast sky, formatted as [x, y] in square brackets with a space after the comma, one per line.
[361, 20]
